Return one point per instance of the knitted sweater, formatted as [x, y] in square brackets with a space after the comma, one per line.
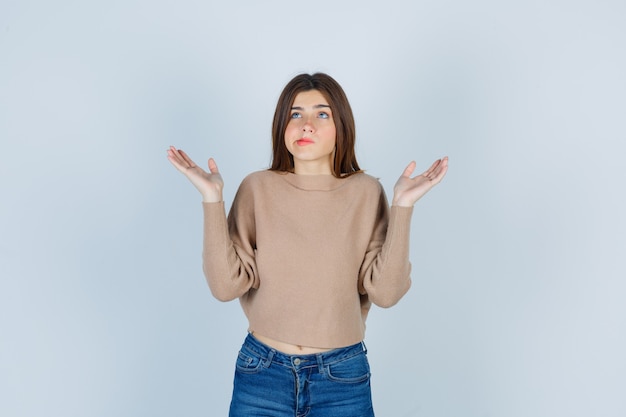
[307, 255]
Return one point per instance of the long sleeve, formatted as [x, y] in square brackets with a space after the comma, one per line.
[307, 255]
[385, 272]
[229, 247]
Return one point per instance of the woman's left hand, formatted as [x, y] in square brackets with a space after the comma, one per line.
[408, 190]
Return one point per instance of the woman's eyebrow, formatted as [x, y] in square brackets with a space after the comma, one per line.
[317, 106]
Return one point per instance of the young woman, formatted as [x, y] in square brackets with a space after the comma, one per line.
[307, 246]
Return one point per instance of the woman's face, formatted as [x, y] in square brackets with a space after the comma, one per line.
[310, 135]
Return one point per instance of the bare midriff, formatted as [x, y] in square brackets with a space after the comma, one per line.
[288, 348]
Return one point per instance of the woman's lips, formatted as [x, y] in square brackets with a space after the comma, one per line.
[304, 141]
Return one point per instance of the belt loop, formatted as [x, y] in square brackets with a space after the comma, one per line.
[268, 360]
[320, 363]
[364, 347]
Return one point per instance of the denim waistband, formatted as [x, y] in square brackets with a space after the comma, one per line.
[270, 354]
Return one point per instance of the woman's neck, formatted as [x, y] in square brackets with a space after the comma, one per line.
[311, 168]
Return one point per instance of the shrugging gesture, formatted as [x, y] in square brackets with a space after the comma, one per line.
[304, 276]
[408, 190]
[210, 184]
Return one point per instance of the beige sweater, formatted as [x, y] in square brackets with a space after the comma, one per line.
[307, 255]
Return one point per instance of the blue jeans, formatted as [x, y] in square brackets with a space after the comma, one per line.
[273, 384]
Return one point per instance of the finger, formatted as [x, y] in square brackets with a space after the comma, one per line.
[409, 169]
[187, 159]
[440, 172]
[176, 153]
[433, 167]
[175, 158]
[442, 169]
[213, 166]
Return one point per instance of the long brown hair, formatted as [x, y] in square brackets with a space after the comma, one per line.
[345, 163]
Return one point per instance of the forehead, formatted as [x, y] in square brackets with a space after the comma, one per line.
[309, 98]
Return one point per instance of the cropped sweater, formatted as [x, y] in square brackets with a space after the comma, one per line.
[307, 255]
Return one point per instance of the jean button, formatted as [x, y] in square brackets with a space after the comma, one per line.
[296, 361]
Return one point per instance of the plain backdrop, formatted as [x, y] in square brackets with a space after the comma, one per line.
[517, 306]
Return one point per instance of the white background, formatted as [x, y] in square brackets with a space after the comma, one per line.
[517, 306]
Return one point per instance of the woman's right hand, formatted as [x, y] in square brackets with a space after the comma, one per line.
[210, 184]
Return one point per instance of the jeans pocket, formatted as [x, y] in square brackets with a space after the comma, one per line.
[248, 362]
[349, 371]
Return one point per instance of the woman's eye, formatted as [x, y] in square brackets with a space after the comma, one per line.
[323, 115]
[296, 115]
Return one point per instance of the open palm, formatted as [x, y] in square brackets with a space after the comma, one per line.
[210, 184]
[408, 190]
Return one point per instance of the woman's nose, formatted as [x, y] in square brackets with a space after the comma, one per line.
[308, 126]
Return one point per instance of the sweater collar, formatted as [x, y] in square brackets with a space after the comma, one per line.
[313, 182]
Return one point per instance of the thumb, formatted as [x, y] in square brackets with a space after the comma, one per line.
[213, 166]
[409, 169]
